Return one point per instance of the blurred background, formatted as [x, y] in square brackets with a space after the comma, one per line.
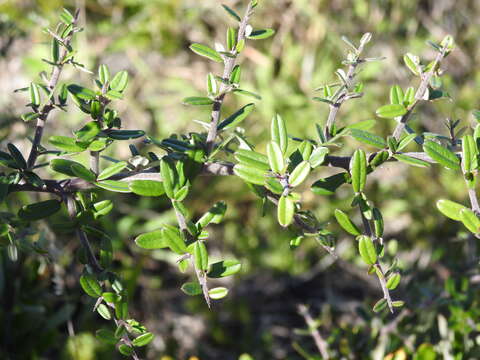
[44, 314]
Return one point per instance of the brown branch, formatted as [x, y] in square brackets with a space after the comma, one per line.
[420, 93]
[209, 169]
[52, 84]
[335, 107]
[224, 87]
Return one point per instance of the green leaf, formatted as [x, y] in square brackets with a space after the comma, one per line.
[63, 166]
[169, 176]
[450, 209]
[252, 159]
[66, 143]
[250, 174]
[17, 156]
[299, 174]
[396, 95]
[367, 250]
[358, 170]
[275, 157]
[261, 34]
[197, 100]
[330, 184]
[224, 268]
[380, 305]
[30, 116]
[125, 134]
[470, 220]
[34, 94]
[55, 50]
[90, 285]
[103, 207]
[236, 118]
[81, 92]
[411, 161]
[88, 132]
[115, 186]
[106, 336]
[103, 73]
[119, 81]
[67, 17]
[469, 154]
[174, 239]
[318, 156]
[412, 62]
[232, 13]
[207, 52]
[102, 309]
[151, 240]
[8, 161]
[278, 130]
[236, 72]
[285, 210]
[39, 210]
[391, 111]
[214, 215]
[211, 84]
[217, 293]
[200, 255]
[231, 38]
[112, 170]
[126, 350]
[346, 223]
[147, 187]
[378, 222]
[143, 339]
[405, 141]
[441, 155]
[83, 173]
[393, 281]
[368, 138]
[192, 288]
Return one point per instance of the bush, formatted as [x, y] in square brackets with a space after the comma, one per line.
[80, 197]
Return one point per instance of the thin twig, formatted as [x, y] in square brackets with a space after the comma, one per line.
[321, 344]
[420, 93]
[335, 107]
[52, 84]
[209, 169]
[92, 260]
[224, 87]
[378, 268]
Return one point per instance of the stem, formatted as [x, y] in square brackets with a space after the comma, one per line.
[418, 95]
[92, 260]
[321, 344]
[334, 108]
[201, 276]
[377, 266]
[224, 88]
[52, 84]
[472, 194]
[209, 169]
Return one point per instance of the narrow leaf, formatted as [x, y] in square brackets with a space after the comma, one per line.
[346, 223]
[358, 170]
[285, 211]
[441, 155]
[207, 52]
[236, 118]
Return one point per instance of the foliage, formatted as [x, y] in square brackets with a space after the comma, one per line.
[170, 171]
